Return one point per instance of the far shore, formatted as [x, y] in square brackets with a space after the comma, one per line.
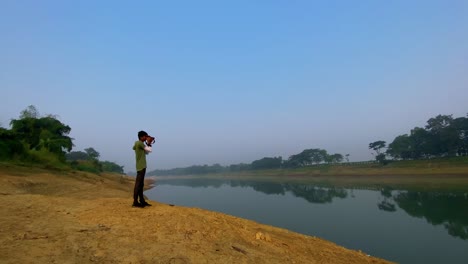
[425, 174]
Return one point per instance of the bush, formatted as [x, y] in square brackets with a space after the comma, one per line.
[87, 168]
[10, 147]
[45, 158]
[92, 166]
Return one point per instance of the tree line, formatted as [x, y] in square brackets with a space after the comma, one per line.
[306, 158]
[45, 140]
[443, 136]
[88, 160]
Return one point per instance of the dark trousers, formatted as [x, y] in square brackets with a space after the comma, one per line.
[139, 184]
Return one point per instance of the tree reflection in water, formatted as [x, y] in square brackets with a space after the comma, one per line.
[316, 194]
[438, 208]
[310, 193]
[386, 204]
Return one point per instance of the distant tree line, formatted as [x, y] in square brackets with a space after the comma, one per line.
[443, 136]
[33, 138]
[305, 158]
[45, 140]
[88, 160]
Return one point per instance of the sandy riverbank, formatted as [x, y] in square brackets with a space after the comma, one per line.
[51, 217]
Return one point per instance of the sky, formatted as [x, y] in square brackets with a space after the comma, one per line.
[233, 81]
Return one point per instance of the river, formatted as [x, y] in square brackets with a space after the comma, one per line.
[404, 226]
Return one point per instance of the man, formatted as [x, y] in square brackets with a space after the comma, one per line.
[141, 150]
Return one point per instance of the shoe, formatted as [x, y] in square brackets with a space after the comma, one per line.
[139, 205]
[145, 204]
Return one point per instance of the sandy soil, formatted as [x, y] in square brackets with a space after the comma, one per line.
[49, 217]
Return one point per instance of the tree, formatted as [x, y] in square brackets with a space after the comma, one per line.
[347, 157]
[267, 163]
[239, 167]
[381, 158]
[299, 160]
[400, 148]
[10, 145]
[336, 158]
[77, 155]
[461, 126]
[438, 123]
[42, 133]
[307, 157]
[317, 155]
[54, 135]
[377, 146]
[109, 166]
[444, 136]
[29, 112]
[92, 153]
[421, 144]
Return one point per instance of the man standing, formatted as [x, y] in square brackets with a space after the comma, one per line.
[141, 150]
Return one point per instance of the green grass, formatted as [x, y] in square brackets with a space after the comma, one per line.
[21, 168]
[446, 166]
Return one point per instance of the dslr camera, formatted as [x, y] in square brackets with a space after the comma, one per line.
[150, 140]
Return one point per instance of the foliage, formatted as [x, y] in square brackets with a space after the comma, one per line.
[307, 157]
[76, 155]
[87, 165]
[443, 136]
[44, 139]
[377, 146]
[381, 158]
[92, 153]
[34, 138]
[10, 146]
[347, 157]
[267, 163]
[109, 166]
[335, 158]
[87, 160]
[312, 156]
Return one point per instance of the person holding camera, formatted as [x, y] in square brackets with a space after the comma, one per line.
[141, 147]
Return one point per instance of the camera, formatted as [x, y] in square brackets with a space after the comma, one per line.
[150, 140]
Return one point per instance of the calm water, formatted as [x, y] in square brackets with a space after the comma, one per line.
[399, 225]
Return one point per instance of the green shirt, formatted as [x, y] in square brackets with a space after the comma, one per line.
[140, 155]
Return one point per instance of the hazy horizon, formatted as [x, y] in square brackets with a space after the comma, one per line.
[226, 83]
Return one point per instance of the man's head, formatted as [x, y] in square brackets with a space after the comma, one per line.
[142, 135]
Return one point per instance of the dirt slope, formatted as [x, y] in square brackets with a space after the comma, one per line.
[83, 218]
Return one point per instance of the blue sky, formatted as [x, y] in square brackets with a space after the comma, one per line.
[233, 81]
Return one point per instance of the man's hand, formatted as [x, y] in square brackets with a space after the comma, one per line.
[148, 149]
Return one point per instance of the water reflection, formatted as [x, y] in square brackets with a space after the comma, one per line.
[311, 193]
[438, 208]
[316, 194]
[386, 204]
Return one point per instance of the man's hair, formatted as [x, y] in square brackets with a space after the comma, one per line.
[142, 134]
